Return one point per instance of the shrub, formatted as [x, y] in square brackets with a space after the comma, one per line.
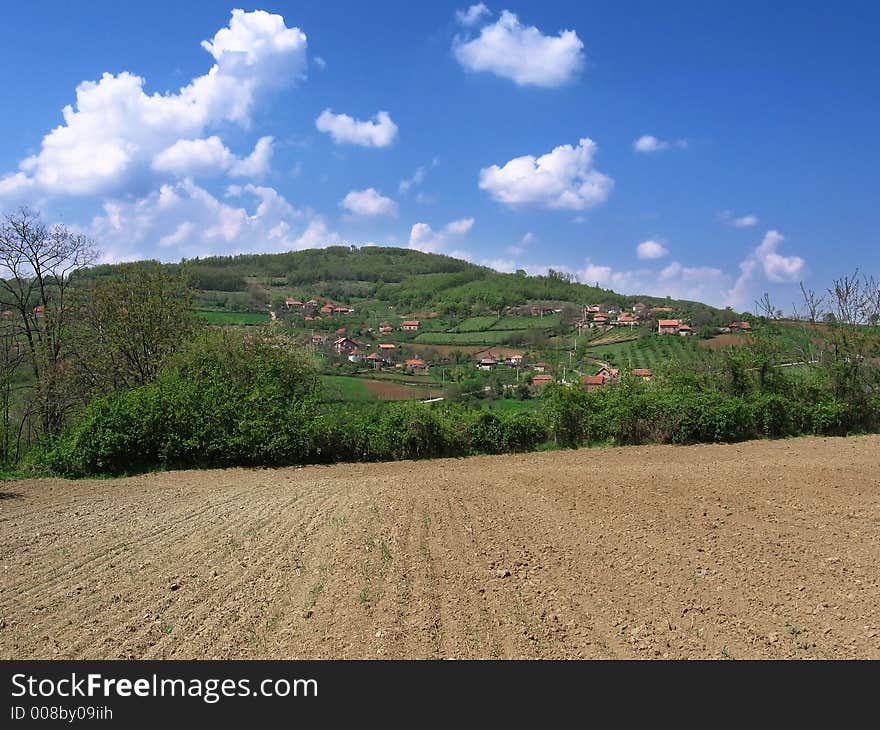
[226, 399]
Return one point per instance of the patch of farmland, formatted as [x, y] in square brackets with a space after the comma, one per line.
[489, 337]
[679, 552]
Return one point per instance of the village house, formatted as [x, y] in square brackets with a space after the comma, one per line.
[416, 365]
[376, 360]
[486, 363]
[608, 373]
[311, 304]
[542, 367]
[292, 303]
[741, 326]
[599, 320]
[539, 382]
[342, 310]
[411, 325]
[327, 309]
[627, 319]
[685, 330]
[514, 361]
[345, 346]
[644, 373]
[667, 326]
[385, 328]
[591, 382]
[639, 307]
[356, 356]
[594, 309]
[319, 340]
[387, 346]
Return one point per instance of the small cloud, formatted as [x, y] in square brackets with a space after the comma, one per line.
[767, 262]
[651, 250]
[417, 178]
[368, 203]
[648, 143]
[379, 132]
[520, 53]
[563, 179]
[745, 221]
[320, 62]
[423, 238]
[519, 249]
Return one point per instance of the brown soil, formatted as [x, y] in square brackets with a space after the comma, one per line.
[389, 390]
[722, 342]
[764, 549]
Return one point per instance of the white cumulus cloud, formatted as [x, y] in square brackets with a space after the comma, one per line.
[206, 157]
[563, 179]
[765, 263]
[369, 202]
[185, 220]
[424, 238]
[379, 132]
[115, 129]
[651, 250]
[518, 52]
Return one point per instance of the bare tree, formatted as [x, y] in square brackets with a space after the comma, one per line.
[813, 305]
[854, 305]
[37, 264]
[764, 307]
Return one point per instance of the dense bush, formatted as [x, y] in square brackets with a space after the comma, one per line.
[224, 400]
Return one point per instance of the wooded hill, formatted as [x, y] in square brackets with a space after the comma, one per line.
[406, 278]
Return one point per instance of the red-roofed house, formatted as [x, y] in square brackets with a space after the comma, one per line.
[416, 365]
[411, 325]
[667, 326]
[385, 328]
[486, 363]
[542, 367]
[627, 319]
[643, 373]
[741, 326]
[539, 382]
[591, 382]
[609, 373]
[387, 346]
[345, 345]
[327, 309]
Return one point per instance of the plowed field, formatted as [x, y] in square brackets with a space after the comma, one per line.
[764, 549]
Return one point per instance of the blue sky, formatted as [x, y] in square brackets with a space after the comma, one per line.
[705, 150]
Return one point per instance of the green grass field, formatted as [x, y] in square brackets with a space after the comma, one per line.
[224, 318]
[344, 389]
[521, 323]
[649, 352]
[511, 405]
[475, 324]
